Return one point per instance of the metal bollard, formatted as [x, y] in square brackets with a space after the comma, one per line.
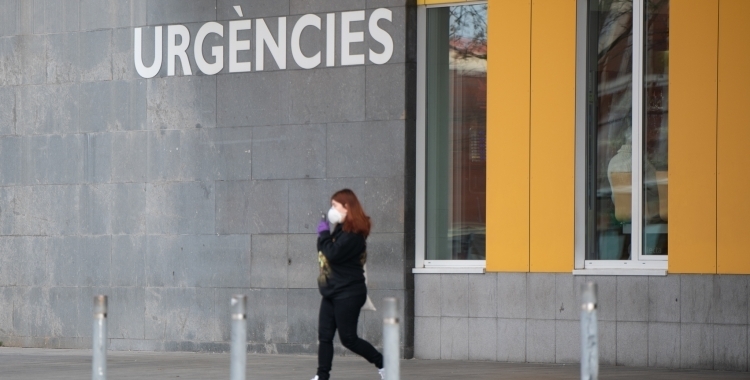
[239, 337]
[99, 347]
[391, 351]
[589, 339]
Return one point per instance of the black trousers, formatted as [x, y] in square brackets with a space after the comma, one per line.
[342, 314]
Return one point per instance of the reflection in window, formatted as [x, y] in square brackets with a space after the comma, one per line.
[456, 130]
[611, 127]
[655, 148]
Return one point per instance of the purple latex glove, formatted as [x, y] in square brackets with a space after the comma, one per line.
[323, 226]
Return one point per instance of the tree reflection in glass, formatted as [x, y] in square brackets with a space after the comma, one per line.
[456, 126]
[610, 128]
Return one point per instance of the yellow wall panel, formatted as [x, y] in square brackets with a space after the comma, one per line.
[692, 135]
[508, 100]
[552, 185]
[733, 187]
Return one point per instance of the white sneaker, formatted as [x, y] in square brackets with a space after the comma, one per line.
[315, 378]
[381, 372]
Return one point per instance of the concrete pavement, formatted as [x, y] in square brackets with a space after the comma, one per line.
[31, 363]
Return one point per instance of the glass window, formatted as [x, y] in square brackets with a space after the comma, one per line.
[626, 128]
[455, 132]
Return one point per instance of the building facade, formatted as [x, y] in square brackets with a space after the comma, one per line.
[571, 85]
[170, 177]
[171, 154]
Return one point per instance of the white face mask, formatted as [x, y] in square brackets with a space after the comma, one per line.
[334, 216]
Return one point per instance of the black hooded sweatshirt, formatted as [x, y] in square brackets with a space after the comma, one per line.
[341, 265]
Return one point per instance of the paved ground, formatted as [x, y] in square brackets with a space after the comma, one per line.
[29, 363]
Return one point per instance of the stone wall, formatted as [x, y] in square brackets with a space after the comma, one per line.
[171, 194]
[677, 321]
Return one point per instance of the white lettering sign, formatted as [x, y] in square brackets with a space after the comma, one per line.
[143, 70]
[174, 50]
[330, 39]
[348, 38]
[236, 45]
[381, 36]
[302, 60]
[216, 51]
[178, 41]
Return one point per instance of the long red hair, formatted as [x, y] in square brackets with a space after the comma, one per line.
[356, 220]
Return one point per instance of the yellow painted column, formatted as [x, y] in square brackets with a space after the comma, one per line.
[693, 38]
[733, 177]
[508, 102]
[552, 155]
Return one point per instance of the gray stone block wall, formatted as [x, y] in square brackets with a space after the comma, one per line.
[677, 321]
[171, 194]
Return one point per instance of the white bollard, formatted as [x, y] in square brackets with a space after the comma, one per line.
[99, 347]
[589, 339]
[239, 337]
[391, 350]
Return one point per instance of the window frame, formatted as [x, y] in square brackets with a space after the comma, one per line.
[641, 264]
[421, 264]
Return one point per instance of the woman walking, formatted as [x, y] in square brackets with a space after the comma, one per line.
[342, 255]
